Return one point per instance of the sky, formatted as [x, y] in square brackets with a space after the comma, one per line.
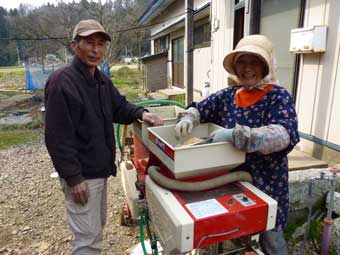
[8, 4]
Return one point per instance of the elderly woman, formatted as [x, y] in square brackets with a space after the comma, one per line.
[259, 118]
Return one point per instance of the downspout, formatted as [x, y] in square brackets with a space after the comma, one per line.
[188, 49]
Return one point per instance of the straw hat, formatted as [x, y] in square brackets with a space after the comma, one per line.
[252, 44]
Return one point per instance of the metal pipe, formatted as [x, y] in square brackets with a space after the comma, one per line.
[328, 222]
[310, 209]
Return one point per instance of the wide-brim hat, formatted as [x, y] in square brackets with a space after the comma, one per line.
[89, 27]
[259, 45]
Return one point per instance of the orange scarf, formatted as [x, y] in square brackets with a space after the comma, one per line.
[247, 98]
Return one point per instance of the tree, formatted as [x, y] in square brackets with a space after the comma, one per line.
[53, 26]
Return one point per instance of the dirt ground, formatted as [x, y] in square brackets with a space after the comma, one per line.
[32, 212]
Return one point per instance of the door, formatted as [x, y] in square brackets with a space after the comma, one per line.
[178, 62]
[238, 22]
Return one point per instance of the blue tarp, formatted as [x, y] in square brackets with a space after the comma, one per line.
[36, 75]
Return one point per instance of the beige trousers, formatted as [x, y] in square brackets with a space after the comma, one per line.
[87, 222]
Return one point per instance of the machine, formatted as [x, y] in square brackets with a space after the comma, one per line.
[192, 198]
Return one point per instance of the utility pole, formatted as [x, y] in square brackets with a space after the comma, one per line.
[189, 51]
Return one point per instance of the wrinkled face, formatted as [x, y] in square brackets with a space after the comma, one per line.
[90, 49]
[250, 69]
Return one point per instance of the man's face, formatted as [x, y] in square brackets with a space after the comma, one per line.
[249, 69]
[90, 49]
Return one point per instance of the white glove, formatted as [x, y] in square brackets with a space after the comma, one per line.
[184, 127]
[186, 121]
[223, 135]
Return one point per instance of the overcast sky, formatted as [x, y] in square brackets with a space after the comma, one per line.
[8, 4]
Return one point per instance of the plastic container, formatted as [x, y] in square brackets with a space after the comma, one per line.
[192, 160]
[129, 178]
[168, 113]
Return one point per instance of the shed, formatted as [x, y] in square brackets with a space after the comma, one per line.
[155, 71]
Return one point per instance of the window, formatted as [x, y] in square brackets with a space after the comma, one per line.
[202, 35]
[161, 44]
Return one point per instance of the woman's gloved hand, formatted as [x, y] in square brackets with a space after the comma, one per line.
[222, 135]
[184, 127]
[186, 121]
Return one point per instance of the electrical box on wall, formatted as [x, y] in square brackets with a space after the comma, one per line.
[308, 40]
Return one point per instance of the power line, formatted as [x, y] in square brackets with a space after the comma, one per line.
[115, 31]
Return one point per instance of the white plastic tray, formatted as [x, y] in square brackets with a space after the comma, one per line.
[168, 113]
[192, 160]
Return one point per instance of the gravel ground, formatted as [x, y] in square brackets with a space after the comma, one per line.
[32, 215]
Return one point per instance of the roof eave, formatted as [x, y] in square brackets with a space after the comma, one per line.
[153, 10]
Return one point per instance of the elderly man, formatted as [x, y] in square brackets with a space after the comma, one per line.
[81, 106]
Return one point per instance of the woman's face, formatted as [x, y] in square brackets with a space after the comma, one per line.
[250, 69]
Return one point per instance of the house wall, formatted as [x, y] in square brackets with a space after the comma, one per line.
[202, 65]
[174, 13]
[222, 20]
[171, 15]
[318, 97]
[199, 3]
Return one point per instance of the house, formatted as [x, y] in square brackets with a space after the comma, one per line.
[313, 79]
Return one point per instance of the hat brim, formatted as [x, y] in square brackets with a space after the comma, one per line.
[229, 60]
[91, 32]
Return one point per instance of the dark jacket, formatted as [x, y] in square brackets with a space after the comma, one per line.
[80, 112]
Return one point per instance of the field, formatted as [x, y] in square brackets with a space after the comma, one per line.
[21, 117]
[12, 78]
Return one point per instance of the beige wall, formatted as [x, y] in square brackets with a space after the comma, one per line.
[202, 64]
[222, 40]
[318, 97]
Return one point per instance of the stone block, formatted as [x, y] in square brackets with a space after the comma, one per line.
[336, 203]
[299, 182]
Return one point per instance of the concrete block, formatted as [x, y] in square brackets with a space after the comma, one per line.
[335, 235]
[336, 203]
[298, 192]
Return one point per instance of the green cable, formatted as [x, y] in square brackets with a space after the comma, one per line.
[156, 248]
[141, 232]
[141, 103]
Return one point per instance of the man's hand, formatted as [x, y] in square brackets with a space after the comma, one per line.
[80, 193]
[152, 119]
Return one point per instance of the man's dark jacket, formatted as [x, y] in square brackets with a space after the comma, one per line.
[80, 112]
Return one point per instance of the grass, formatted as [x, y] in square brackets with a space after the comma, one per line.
[315, 234]
[130, 88]
[123, 82]
[126, 72]
[12, 77]
[129, 83]
[12, 69]
[12, 138]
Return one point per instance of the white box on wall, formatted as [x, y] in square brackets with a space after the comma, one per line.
[308, 40]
